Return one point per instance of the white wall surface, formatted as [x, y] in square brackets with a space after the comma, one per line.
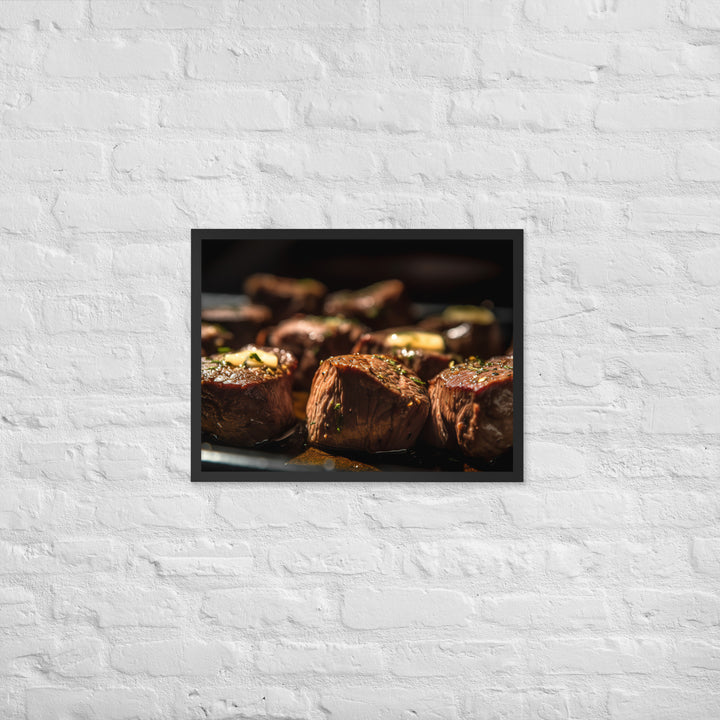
[591, 592]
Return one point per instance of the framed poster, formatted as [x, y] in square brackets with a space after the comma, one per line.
[324, 354]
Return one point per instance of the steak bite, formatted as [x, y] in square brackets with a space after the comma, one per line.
[468, 330]
[421, 351]
[243, 321]
[246, 396]
[311, 339]
[366, 402]
[472, 408]
[381, 305]
[286, 296]
[214, 337]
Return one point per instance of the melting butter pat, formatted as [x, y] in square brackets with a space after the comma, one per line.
[253, 357]
[470, 314]
[417, 341]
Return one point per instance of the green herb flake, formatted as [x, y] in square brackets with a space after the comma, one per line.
[223, 349]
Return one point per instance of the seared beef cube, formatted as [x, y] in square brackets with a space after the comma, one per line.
[421, 351]
[311, 339]
[384, 304]
[468, 330]
[246, 396]
[366, 402]
[243, 321]
[213, 338]
[286, 296]
[472, 408]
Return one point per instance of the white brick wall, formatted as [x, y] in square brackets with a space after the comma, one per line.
[591, 592]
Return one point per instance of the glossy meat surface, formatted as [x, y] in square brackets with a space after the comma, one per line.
[369, 403]
[245, 405]
[472, 408]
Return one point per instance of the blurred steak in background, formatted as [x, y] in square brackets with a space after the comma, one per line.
[286, 296]
[379, 306]
[242, 321]
[311, 339]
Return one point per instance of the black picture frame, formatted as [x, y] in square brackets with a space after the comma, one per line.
[514, 236]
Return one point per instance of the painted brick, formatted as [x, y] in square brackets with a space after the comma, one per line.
[127, 607]
[367, 608]
[177, 658]
[281, 507]
[322, 13]
[160, 14]
[254, 63]
[383, 703]
[226, 111]
[516, 110]
[672, 214]
[706, 556]
[459, 14]
[51, 161]
[668, 608]
[455, 658]
[64, 14]
[258, 701]
[662, 703]
[326, 555]
[401, 112]
[17, 607]
[62, 703]
[80, 110]
[585, 15]
[109, 59]
[262, 608]
[318, 658]
[636, 113]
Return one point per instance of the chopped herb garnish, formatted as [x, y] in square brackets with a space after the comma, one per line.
[417, 381]
[223, 349]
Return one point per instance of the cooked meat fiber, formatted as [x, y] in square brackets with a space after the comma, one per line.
[468, 330]
[420, 351]
[382, 305]
[286, 296]
[366, 402]
[472, 408]
[311, 339]
[246, 396]
[243, 321]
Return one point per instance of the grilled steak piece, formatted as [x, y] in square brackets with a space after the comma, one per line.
[213, 338]
[246, 396]
[472, 408]
[286, 296]
[468, 330]
[384, 304]
[243, 321]
[311, 339]
[420, 351]
[366, 402]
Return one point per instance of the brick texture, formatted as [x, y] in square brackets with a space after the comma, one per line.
[126, 593]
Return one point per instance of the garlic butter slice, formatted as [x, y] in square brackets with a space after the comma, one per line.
[416, 340]
[252, 357]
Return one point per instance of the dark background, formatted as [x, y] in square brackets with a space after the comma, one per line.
[458, 271]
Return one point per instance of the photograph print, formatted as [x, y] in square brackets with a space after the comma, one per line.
[323, 352]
